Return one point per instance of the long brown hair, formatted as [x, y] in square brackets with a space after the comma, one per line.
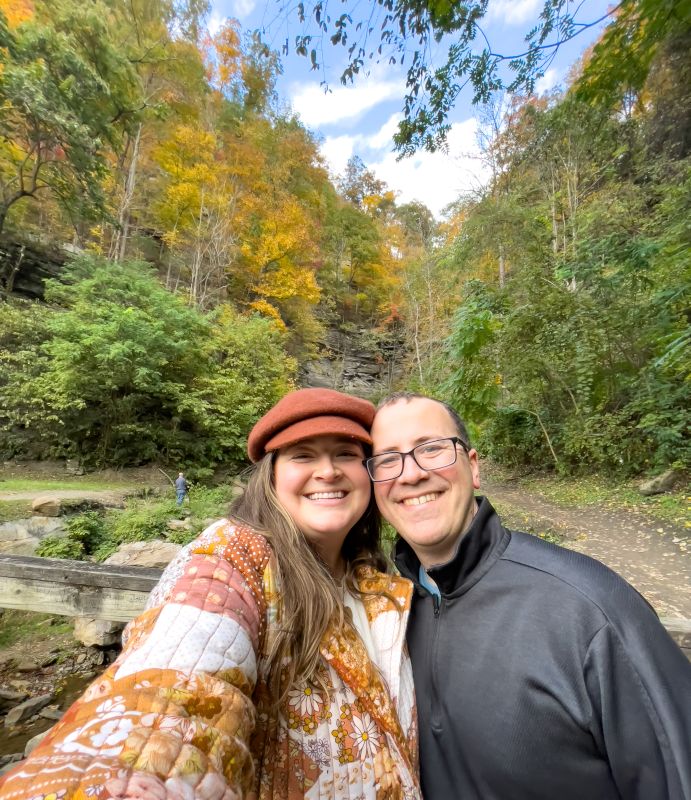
[310, 598]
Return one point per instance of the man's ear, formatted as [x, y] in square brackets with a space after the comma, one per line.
[474, 467]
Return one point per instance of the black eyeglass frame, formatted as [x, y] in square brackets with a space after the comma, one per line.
[455, 439]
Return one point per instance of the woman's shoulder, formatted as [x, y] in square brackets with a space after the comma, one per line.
[233, 541]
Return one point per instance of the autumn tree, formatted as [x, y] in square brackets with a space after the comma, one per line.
[68, 95]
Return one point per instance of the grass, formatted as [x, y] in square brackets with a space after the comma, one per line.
[18, 625]
[37, 485]
[582, 491]
[14, 509]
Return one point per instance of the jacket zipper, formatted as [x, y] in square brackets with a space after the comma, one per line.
[435, 717]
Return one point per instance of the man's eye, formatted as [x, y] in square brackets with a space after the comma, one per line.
[300, 457]
[430, 449]
[349, 454]
[388, 461]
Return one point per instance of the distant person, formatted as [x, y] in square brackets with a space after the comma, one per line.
[181, 488]
[539, 673]
[271, 661]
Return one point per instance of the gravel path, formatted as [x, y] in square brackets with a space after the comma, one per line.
[652, 555]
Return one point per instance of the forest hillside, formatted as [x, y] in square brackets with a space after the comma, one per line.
[203, 258]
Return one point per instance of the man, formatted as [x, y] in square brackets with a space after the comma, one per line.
[180, 488]
[539, 673]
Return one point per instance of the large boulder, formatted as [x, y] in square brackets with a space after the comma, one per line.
[660, 483]
[21, 537]
[46, 505]
[155, 553]
[97, 632]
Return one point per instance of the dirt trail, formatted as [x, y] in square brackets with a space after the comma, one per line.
[652, 555]
[106, 496]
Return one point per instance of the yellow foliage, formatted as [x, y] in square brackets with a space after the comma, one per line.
[17, 11]
[265, 308]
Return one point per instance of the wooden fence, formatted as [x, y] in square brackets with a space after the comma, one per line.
[102, 591]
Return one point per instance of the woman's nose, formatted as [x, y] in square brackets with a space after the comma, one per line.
[327, 468]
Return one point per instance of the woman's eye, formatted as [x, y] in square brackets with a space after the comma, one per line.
[350, 454]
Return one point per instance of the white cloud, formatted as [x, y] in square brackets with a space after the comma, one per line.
[548, 81]
[215, 23]
[513, 12]
[337, 150]
[243, 8]
[436, 179]
[316, 107]
[383, 138]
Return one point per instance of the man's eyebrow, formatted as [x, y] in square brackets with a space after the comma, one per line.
[420, 440]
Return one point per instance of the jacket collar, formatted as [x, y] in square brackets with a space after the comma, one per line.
[477, 551]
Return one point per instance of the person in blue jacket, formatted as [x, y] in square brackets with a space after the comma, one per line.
[181, 488]
[540, 674]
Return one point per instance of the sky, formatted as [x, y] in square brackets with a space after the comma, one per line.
[361, 119]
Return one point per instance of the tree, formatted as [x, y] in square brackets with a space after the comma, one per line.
[121, 371]
[67, 95]
[398, 31]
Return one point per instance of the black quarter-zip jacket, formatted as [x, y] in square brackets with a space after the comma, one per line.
[543, 675]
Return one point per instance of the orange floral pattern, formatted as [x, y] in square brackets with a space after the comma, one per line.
[185, 712]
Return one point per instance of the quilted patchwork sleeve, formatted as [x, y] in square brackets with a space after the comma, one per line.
[171, 718]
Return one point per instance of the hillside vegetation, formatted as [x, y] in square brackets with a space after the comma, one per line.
[214, 251]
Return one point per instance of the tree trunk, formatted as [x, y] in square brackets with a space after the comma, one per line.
[120, 244]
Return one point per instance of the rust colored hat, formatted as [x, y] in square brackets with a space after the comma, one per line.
[310, 412]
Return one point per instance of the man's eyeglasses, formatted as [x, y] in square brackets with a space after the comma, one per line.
[437, 454]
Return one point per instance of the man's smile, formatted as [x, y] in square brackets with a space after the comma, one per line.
[420, 500]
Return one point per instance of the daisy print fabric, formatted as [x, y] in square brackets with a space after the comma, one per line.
[185, 712]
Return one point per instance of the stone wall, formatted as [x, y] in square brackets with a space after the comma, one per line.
[24, 268]
[356, 361]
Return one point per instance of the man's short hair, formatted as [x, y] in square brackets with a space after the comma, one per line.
[408, 396]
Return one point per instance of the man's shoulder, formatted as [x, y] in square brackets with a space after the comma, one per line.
[573, 574]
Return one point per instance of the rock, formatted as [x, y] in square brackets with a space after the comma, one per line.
[96, 632]
[34, 742]
[179, 525]
[659, 484]
[156, 553]
[8, 762]
[46, 505]
[27, 666]
[51, 712]
[21, 537]
[73, 467]
[27, 709]
[10, 697]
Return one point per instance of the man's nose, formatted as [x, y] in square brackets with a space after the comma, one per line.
[412, 471]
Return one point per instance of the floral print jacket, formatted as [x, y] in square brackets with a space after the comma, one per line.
[184, 712]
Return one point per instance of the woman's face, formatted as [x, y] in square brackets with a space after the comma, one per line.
[322, 483]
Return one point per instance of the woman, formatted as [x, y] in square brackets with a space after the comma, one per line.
[270, 660]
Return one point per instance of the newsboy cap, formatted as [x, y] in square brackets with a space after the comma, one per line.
[310, 412]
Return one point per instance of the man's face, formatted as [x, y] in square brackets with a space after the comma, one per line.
[429, 509]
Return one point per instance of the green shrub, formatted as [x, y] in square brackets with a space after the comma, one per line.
[60, 547]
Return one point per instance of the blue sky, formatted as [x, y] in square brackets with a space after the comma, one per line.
[361, 119]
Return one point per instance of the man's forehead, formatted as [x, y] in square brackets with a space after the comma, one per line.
[406, 423]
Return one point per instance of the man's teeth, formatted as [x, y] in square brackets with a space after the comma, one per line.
[419, 501]
[326, 496]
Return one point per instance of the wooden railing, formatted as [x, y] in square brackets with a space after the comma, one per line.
[102, 591]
